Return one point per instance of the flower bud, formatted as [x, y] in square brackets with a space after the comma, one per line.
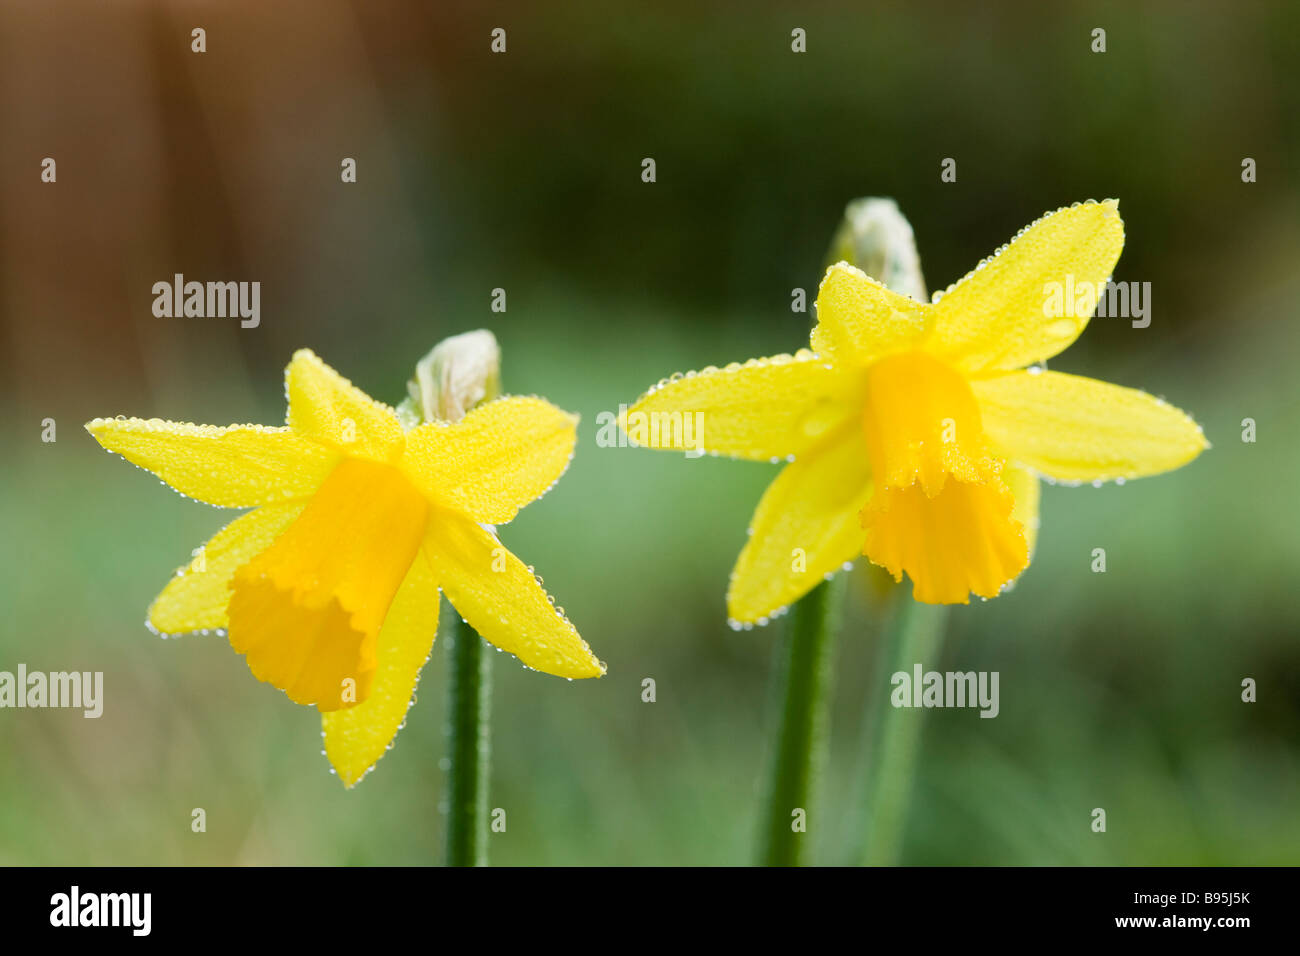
[878, 239]
[459, 373]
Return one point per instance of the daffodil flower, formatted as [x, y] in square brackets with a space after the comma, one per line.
[915, 433]
[330, 586]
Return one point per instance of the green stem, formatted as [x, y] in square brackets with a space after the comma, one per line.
[801, 744]
[470, 703]
[914, 636]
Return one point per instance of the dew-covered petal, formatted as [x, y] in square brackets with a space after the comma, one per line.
[502, 599]
[1026, 488]
[356, 737]
[1073, 428]
[994, 318]
[805, 527]
[327, 408]
[235, 466]
[764, 409]
[196, 598]
[495, 460]
[860, 320]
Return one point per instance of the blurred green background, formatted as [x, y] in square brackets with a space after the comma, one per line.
[522, 171]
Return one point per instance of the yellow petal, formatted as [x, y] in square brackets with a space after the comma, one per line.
[994, 317]
[326, 407]
[805, 527]
[765, 409]
[356, 737]
[960, 540]
[502, 600]
[196, 598]
[859, 320]
[1025, 488]
[237, 466]
[306, 612]
[495, 460]
[1073, 428]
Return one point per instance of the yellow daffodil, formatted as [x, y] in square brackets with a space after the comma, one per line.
[915, 433]
[329, 587]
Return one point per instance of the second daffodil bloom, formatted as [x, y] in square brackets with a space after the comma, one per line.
[330, 586]
[915, 433]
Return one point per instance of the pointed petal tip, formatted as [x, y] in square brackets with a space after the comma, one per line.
[746, 618]
[847, 268]
[303, 356]
[99, 428]
[851, 271]
[347, 777]
[593, 667]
